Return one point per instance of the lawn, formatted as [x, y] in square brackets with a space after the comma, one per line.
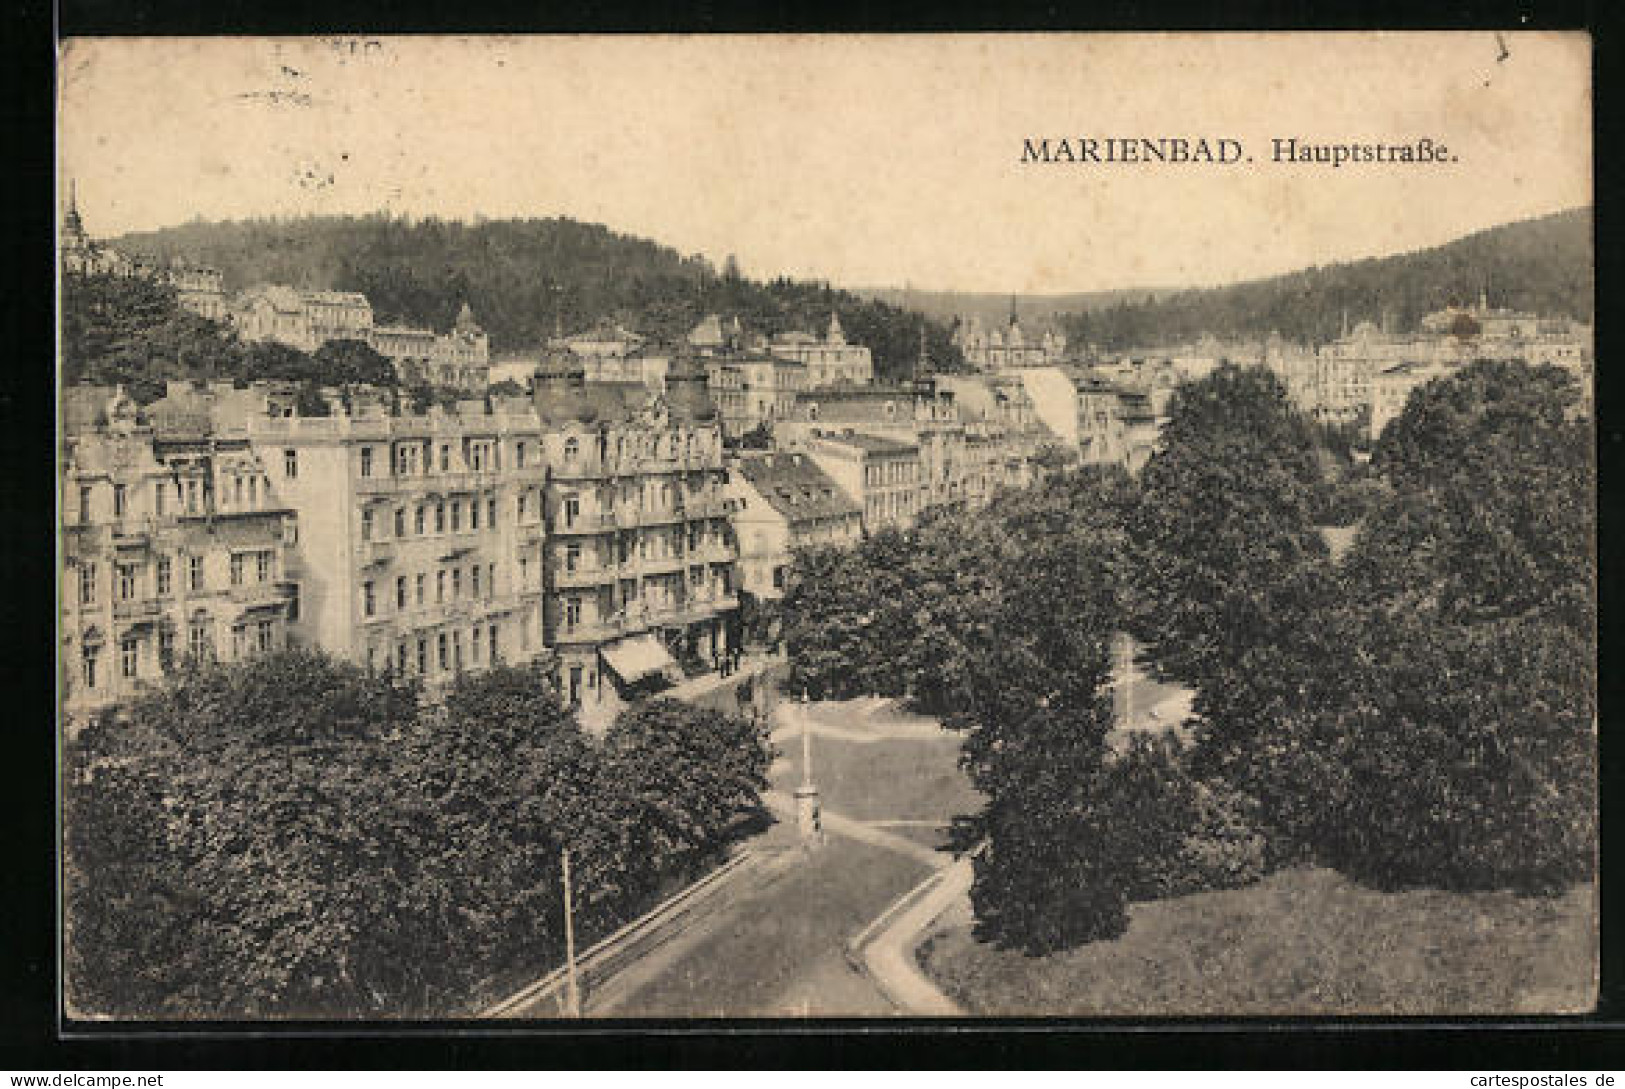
[1304, 941]
[884, 780]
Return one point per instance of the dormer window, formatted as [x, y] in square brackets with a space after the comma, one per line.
[572, 450]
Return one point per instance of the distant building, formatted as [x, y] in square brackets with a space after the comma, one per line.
[828, 362]
[919, 414]
[459, 360]
[198, 288]
[780, 502]
[751, 390]
[882, 475]
[173, 543]
[301, 319]
[1009, 348]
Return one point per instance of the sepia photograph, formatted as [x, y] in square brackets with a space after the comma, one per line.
[815, 526]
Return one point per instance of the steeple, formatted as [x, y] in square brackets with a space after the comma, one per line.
[835, 335]
[922, 365]
[1012, 311]
[73, 228]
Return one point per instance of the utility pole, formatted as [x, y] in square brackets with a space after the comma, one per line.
[574, 1009]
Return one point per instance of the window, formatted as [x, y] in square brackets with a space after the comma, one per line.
[474, 581]
[87, 584]
[400, 591]
[778, 577]
[496, 654]
[491, 512]
[572, 510]
[84, 502]
[474, 514]
[264, 636]
[369, 605]
[519, 454]
[419, 581]
[366, 525]
[88, 662]
[423, 655]
[164, 577]
[166, 648]
[158, 499]
[445, 458]
[126, 581]
[440, 517]
[194, 573]
[477, 457]
[290, 463]
[120, 500]
[572, 612]
[400, 521]
[491, 579]
[457, 649]
[572, 556]
[572, 450]
[366, 461]
[262, 566]
[400, 658]
[237, 565]
[524, 505]
[456, 583]
[456, 516]
[440, 646]
[418, 521]
[439, 586]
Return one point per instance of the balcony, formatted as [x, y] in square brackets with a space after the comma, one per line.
[425, 484]
[585, 525]
[376, 553]
[584, 576]
[593, 631]
[663, 565]
[138, 609]
[261, 593]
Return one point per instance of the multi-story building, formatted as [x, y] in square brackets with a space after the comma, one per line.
[828, 362]
[781, 501]
[198, 288]
[1391, 387]
[920, 415]
[640, 559]
[996, 350]
[459, 360]
[420, 536]
[882, 475]
[750, 390]
[173, 545]
[301, 319]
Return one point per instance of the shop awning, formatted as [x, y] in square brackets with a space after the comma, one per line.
[637, 657]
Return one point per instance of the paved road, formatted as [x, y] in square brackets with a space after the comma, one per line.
[798, 932]
[889, 954]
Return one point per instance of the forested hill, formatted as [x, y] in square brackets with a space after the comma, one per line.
[526, 278]
[1542, 265]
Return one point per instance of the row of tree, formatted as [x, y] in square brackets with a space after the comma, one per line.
[1418, 712]
[292, 837]
[528, 279]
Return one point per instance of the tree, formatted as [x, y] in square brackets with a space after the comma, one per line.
[1057, 858]
[352, 362]
[1233, 583]
[1464, 755]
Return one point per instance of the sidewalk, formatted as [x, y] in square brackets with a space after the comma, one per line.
[706, 683]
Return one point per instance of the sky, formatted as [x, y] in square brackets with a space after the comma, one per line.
[863, 160]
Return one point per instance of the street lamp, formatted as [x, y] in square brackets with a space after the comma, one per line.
[809, 821]
[573, 1008]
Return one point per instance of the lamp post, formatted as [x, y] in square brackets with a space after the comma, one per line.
[573, 1009]
[808, 819]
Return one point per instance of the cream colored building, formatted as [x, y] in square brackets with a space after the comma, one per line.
[780, 501]
[173, 545]
[831, 361]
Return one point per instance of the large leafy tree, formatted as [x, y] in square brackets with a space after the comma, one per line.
[1056, 856]
[1464, 754]
[294, 837]
[1234, 591]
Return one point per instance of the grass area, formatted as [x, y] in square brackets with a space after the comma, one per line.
[1306, 942]
[885, 780]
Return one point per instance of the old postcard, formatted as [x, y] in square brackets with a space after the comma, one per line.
[816, 526]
